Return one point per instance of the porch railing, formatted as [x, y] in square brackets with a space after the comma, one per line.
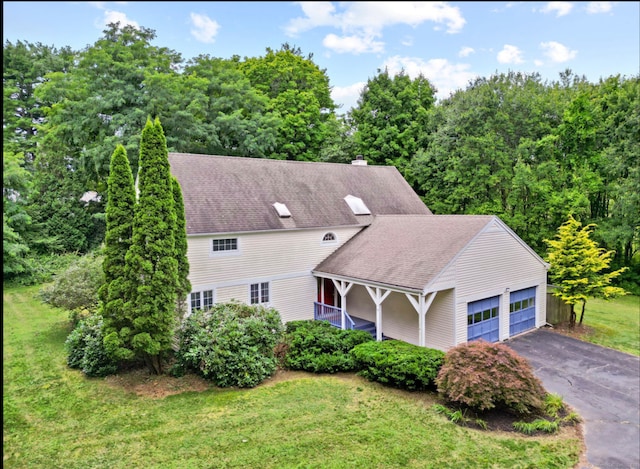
[323, 312]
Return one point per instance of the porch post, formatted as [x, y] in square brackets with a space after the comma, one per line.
[343, 288]
[378, 297]
[422, 305]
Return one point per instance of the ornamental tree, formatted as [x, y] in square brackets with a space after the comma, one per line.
[119, 226]
[151, 269]
[184, 285]
[578, 267]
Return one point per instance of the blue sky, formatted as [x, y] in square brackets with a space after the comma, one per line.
[450, 43]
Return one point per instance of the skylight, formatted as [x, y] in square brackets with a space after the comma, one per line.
[356, 205]
[283, 211]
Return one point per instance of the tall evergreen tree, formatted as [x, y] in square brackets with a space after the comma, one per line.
[184, 285]
[119, 219]
[151, 269]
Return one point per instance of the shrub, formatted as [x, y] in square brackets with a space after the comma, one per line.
[77, 286]
[484, 376]
[232, 344]
[319, 347]
[85, 349]
[398, 364]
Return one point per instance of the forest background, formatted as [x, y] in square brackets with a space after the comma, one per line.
[530, 151]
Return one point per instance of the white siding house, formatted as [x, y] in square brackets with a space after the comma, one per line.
[355, 245]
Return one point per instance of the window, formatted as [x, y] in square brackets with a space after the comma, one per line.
[195, 301]
[201, 300]
[207, 299]
[329, 238]
[482, 310]
[226, 244]
[357, 206]
[283, 211]
[259, 293]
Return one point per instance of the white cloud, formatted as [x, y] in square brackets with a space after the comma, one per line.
[367, 20]
[347, 96]
[466, 52]
[111, 16]
[443, 75]
[599, 7]
[407, 41]
[204, 28]
[374, 16]
[352, 44]
[510, 55]
[557, 52]
[559, 8]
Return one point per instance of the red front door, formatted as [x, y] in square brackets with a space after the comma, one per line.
[329, 292]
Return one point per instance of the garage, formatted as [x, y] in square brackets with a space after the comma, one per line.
[483, 319]
[522, 311]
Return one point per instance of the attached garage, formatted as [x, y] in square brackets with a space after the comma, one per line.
[483, 320]
[522, 311]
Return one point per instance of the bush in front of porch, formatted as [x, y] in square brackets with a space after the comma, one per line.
[398, 364]
[319, 347]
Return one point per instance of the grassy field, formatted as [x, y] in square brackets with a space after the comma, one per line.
[54, 417]
[613, 323]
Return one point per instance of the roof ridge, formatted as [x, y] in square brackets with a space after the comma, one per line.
[275, 160]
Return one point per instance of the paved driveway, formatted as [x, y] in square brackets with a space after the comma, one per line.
[602, 385]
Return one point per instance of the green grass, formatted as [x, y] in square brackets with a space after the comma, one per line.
[54, 417]
[613, 323]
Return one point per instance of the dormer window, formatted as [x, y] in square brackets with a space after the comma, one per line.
[283, 211]
[357, 206]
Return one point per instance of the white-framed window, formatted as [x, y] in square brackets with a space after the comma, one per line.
[201, 300]
[329, 238]
[259, 293]
[225, 246]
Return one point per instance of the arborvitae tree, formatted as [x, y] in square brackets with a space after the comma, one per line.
[119, 219]
[151, 269]
[577, 265]
[184, 285]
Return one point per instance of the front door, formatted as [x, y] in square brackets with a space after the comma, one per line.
[329, 292]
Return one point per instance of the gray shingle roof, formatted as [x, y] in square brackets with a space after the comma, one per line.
[224, 194]
[404, 251]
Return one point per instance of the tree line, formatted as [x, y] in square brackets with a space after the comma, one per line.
[532, 152]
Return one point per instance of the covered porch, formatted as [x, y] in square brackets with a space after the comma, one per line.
[332, 306]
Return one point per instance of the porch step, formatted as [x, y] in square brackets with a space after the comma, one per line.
[364, 325]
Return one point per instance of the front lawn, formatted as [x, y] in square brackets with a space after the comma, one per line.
[612, 323]
[54, 416]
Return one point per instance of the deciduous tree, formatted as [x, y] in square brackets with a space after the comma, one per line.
[578, 267]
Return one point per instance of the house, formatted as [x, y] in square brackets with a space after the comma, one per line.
[353, 244]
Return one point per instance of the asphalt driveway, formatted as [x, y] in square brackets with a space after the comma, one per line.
[601, 384]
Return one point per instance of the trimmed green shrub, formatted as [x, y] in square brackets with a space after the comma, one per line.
[319, 347]
[483, 376]
[231, 344]
[85, 349]
[398, 364]
[76, 287]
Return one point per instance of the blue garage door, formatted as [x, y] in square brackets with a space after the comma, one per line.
[522, 310]
[483, 320]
